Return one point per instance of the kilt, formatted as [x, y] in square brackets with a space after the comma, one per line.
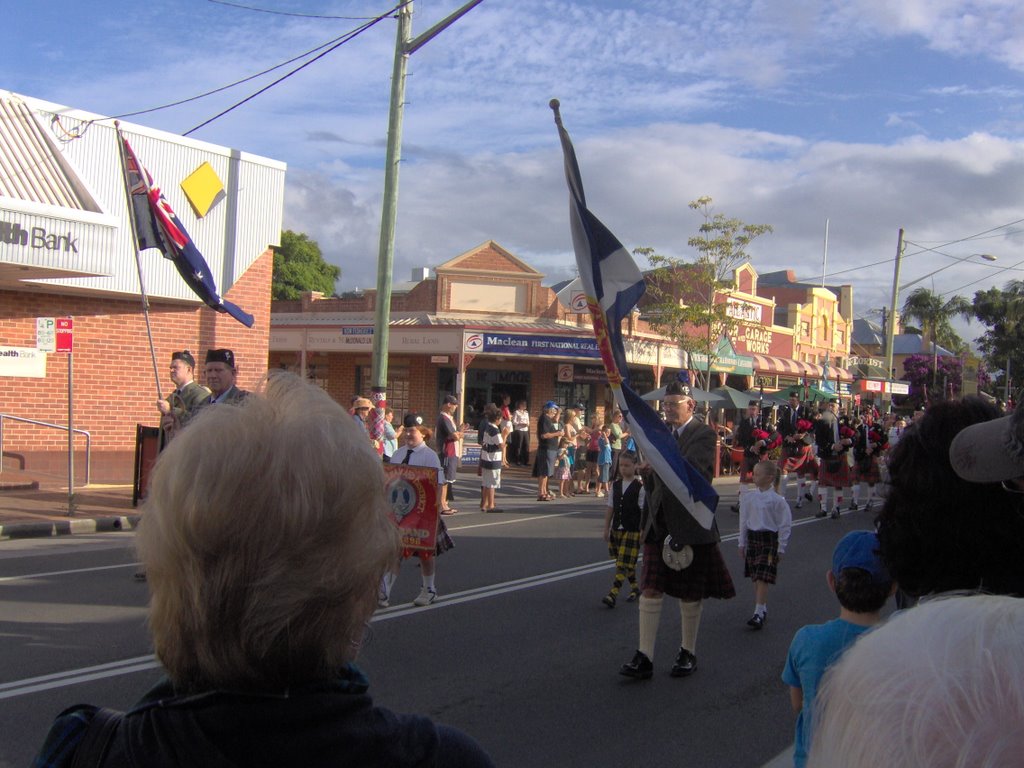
[706, 576]
[867, 471]
[760, 559]
[840, 478]
[624, 549]
[747, 467]
[802, 462]
[444, 543]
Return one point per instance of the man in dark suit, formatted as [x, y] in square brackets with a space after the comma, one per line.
[744, 438]
[795, 444]
[706, 575]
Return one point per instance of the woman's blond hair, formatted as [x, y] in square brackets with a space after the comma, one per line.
[264, 535]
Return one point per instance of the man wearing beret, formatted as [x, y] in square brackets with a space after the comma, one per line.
[188, 395]
[221, 374]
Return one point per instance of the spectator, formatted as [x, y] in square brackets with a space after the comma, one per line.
[520, 444]
[549, 432]
[258, 626]
[992, 452]
[492, 440]
[939, 686]
[449, 440]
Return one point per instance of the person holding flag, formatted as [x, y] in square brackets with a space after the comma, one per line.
[684, 538]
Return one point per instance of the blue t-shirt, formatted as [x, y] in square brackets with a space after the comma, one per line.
[814, 648]
[604, 451]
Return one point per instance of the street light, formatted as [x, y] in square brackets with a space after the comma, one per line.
[894, 304]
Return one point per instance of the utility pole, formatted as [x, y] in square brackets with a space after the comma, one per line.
[893, 309]
[405, 46]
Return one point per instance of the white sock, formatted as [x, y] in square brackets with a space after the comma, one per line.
[856, 494]
[689, 613]
[650, 615]
[428, 582]
[761, 609]
[814, 487]
[388, 581]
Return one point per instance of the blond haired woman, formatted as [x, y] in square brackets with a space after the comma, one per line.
[263, 562]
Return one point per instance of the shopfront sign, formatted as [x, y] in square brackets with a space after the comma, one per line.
[23, 361]
[743, 310]
[359, 338]
[521, 344]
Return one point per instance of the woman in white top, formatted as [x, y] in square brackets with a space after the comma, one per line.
[519, 449]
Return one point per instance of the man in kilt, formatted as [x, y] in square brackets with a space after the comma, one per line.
[744, 438]
[706, 576]
[867, 449]
[795, 423]
[833, 467]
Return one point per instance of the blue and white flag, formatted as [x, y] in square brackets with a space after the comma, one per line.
[613, 285]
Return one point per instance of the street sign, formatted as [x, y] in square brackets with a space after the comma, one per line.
[64, 334]
[46, 334]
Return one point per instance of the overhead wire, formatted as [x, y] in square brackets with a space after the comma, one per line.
[341, 41]
[285, 13]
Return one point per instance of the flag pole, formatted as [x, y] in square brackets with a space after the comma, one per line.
[138, 256]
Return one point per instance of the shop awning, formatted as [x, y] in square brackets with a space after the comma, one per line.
[783, 365]
[834, 372]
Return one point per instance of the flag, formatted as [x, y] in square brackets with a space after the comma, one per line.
[613, 285]
[157, 226]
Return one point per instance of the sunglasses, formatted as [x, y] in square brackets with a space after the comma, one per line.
[1013, 486]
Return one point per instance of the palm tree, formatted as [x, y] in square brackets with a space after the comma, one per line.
[935, 315]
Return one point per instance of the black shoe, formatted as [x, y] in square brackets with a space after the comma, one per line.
[633, 595]
[821, 514]
[735, 508]
[686, 664]
[609, 600]
[139, 576]
[853, 506]
[835, 513]
[757, 620]
[639, 668]
[808, 497]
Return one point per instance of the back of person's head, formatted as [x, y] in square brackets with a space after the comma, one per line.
[491, 412]
[940, 685]
[940, 533]
[859, 577]
[264, 536]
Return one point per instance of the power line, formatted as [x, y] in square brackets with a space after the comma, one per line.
[341, 41]
[285, 13]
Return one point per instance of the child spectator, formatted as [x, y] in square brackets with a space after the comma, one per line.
[604, 460]
[622, 527]
[862, 585]
[492, 441]
[563, 467]
[765, 524]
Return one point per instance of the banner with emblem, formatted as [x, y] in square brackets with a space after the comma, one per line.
[412, 498]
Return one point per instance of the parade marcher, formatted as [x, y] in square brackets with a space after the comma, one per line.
[520, 441]
[833, 467]
[622, 528]
[706, 575]
[796, 445]
[896, 431]
[449, 439]
[417, 453]
[868, 446]
[181, 405]
[549, 432]
[221, 374]
[765, 525]
[744, 438]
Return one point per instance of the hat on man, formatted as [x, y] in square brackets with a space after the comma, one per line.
[859, 549]
[361, 402]
[412, 420]
[451, 400]
[677, 388]
[185, 356]
[753, 403]
[991, 451]
[225, 356]
[550, 404]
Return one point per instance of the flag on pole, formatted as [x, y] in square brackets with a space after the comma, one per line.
[613, 285]
[157, 226]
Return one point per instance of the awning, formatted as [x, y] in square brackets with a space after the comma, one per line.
[783, 365]
[834, 372]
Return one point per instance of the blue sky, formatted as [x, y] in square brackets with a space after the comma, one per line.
[872, 114]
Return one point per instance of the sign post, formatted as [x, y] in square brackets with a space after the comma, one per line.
[64, 342]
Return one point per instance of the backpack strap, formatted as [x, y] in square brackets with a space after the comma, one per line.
[92, 749]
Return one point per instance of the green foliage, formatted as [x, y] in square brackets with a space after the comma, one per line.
[1002, 311]
[687, 298]
[299, 266]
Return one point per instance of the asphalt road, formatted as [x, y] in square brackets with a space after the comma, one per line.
[519, 651]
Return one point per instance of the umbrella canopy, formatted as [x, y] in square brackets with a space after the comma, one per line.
[770, 398]
[696, 393]
[733, 397]
[812, 394]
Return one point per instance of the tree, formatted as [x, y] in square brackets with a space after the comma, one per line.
[688, 300]
[1003, 312]
[919, 373]
[299, 266]
[935, 316]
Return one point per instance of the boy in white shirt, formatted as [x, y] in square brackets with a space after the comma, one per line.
[765, 525]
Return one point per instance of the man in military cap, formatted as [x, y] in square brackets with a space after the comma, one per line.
[221, 374]
[188, 395]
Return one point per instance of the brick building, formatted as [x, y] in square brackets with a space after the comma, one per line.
[67, 250]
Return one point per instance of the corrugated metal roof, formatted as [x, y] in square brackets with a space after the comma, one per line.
[31, 167]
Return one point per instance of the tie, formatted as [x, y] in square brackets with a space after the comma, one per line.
[408, 453]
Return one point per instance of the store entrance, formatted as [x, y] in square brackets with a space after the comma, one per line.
[486, 386]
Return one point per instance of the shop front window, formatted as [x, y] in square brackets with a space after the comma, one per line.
[487, 386]
[397, 387]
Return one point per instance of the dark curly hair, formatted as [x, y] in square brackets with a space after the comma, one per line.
[939, 533]
[857, 591]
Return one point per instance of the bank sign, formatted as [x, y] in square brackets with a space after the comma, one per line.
[516, 344]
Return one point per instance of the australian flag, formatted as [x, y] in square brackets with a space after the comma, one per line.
[157, 226]
[613, 285]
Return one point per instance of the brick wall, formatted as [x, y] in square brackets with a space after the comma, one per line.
[114, 385]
